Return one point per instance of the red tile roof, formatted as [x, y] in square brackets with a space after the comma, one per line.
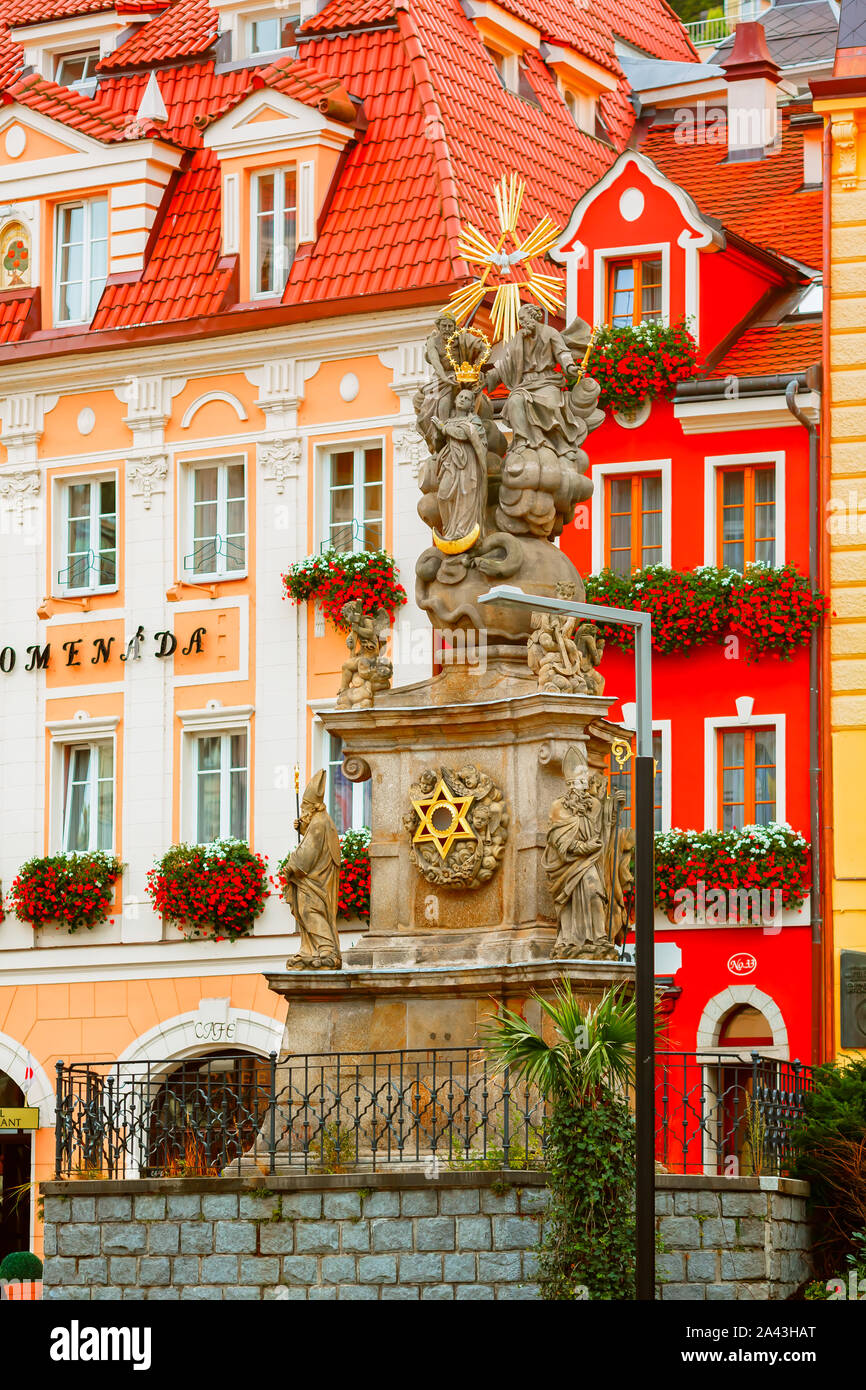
[40, 11]
[185, 29]
[763, 199]
[13, 313]
[785, 347]
[650, 25]
[96, 118]
[349, 14]
[438, 129]
[11, 59]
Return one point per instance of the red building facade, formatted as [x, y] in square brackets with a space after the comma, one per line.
[727, 239]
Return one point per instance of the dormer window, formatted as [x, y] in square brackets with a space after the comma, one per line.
[581, 106]
[274, 206]
[269, 31]
[634, 291]
[265, 35]
[81, 261]
[80, 66]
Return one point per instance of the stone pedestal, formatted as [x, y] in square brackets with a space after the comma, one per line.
[389, 1010]
[497, 721]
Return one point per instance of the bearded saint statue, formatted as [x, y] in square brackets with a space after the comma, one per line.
[312, 875]
[575, 861]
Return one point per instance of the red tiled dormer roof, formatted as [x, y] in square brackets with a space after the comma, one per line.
[653, 28]
[771, 349]
[763, 199]
[184, 30]
[21, 12]
[90, 116]
[13, 314]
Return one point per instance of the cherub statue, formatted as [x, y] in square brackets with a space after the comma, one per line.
[551, 650]
[591, 649]
[576, 861]
[367, 670]
[312, 875]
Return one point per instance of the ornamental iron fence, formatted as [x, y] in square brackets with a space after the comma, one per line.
[449, 1108]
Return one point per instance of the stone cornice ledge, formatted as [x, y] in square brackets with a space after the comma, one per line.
[451, 980]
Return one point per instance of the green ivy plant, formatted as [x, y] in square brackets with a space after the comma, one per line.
[589, 1239]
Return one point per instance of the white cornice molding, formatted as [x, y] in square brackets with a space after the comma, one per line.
[82, 726]
[742, 412]
[347, 336]
[295, 125]
[215, 716]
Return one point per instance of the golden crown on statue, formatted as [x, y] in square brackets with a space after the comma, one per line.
[466, 372]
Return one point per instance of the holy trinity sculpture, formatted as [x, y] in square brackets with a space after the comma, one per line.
[497, 498]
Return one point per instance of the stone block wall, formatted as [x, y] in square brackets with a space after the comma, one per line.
[731, 1238]
[394, 1236]
[465, 1236]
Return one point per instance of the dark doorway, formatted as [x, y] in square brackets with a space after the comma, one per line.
[14, 1177]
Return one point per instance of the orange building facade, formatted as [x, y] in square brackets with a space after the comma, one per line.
[224, 231]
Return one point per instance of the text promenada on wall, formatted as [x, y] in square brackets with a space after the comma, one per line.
[39, 657]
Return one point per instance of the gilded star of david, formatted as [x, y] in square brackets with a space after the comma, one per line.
[442, 819]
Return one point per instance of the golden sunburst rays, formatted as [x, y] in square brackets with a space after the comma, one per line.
[476, 247]
[509, 196]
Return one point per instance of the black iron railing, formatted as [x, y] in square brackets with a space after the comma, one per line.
[330, 1112]
[725, 1113]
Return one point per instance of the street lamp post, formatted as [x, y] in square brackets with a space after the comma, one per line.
[641, 623]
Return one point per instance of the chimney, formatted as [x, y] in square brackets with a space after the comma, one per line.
[752, 78]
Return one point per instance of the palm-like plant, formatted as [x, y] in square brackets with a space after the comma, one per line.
[592, 1055]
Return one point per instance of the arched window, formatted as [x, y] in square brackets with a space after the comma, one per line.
[745, 1027]
[15, 257]
[205, 1114]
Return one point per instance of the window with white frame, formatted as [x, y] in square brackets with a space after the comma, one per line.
[79, 66]
[81, 259]
[355, 498]
[88, 797]
[221, 790]
[218, 521]
[88, 530]
[270, 32]
[349, 803]
[274, 207]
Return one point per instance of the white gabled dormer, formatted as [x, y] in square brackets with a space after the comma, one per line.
[78, 201]
[278, 158]
[258, 29]
[67, 50]
[580, 81]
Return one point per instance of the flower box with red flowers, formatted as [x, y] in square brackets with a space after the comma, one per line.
[71, 892]
[756, 868]
[334, 579]
[644, 362]
[772, 608]
[214, 891]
